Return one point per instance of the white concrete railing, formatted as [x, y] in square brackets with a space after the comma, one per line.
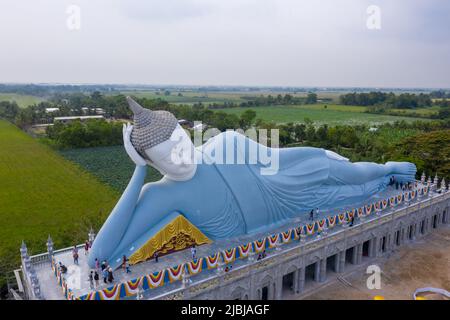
[44, 257]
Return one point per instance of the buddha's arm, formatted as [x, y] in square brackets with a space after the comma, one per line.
[115, 226]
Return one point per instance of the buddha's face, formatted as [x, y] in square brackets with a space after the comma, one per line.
[174, 158]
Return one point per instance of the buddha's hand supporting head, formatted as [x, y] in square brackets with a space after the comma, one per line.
[158, 140]
[131, 151]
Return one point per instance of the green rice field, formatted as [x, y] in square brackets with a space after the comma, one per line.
[22, 100]
[331, 114]
[42, 193]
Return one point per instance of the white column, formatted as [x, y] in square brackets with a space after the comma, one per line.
[371, 244]
[278, 287]
[323, 270]
[301, 279]
[295, 281]
[342, 261]
[360, 253]
[336, 262]
[355, 255]
[317, 271]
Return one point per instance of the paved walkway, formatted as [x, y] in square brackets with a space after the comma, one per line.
[51, 290]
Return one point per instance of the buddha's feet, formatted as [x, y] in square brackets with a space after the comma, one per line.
[402, 171]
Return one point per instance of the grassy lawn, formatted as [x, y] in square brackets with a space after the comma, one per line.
[422, 111]
[332, 115]
[22, 100]
[41, 193]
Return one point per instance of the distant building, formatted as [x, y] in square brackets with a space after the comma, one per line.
[43, 125]
[98, 111]
[51, 110]
[70, 119]
[373, 129]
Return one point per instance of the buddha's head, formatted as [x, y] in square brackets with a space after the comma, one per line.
[162, 142]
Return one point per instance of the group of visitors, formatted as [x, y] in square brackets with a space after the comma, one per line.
[106, 271]
[94, 279]
[400, 185]
[262, 255]
[228, 268]
[76, 256]
[103, 270]
[312, 213]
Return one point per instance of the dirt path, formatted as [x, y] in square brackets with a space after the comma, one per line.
[423, 263]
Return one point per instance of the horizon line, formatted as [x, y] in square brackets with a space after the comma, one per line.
[219, 86]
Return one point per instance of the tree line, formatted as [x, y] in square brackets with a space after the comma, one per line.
[90, 133]
[401, 101]
[48, 90]
[269, 100]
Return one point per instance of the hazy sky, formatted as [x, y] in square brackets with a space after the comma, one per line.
[227, 42]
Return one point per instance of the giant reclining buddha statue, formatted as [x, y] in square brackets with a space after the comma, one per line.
[203, 197]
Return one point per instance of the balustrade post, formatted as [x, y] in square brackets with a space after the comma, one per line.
[50, 248]
[91, 236]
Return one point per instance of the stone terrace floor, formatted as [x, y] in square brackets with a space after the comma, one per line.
[52, 291]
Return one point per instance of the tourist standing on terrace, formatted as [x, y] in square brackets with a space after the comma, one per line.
[125, 264]
[156, 256]
[193, 252]
[105, 274]
[86, 247]
[104, 265]
[311, 215]
[352, 221]
[299, 231]
[97, 264]
[75, 255]
[96, 278]
[110, 275]
[91, 280]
